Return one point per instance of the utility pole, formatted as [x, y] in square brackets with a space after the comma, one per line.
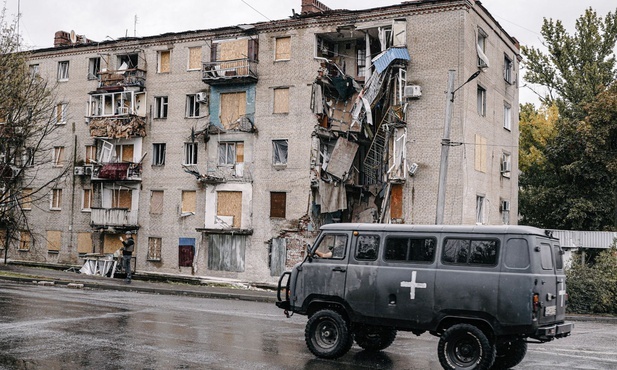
[445, 148]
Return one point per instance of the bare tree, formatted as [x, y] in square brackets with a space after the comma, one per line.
[28, 117]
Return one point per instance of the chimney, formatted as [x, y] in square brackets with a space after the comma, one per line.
[62, 38]
[313, 6]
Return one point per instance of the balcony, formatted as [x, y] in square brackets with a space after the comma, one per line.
[124, 171]
[229, 71]
[113, 217]
[119, 79]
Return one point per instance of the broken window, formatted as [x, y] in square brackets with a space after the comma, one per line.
[281, 100]
[60, 113]
[367, 247]
[278, 204]
[279, 152]
[194, 58]
[158, 154]
[192, 106]
[26, 198]
[154, 249]
[480, 154]
[128, 61]
[164, 61]
[283, 48]
[188, 201]
[25, 240]
[58, 159]
[186, 252]
[54, 240]
[507, 117]
[190, 153]
[233, 107]
[160, 106]
[231, 153]
[90, 154]
[481, 48]
[156, 202]
[63, 71]
[361, 62]
[94, 67]
[106, 150]
[56, 199]
[122, 198]
[229, 208]
[86, 199]
[481, 100]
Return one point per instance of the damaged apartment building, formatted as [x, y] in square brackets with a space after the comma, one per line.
[224, 150]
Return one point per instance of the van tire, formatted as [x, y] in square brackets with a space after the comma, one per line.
[509, 354]
[327, 334]
[464, 346]
[374, 338]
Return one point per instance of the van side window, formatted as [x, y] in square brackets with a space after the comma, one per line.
[545, 256]
[517, 253]
[410, 249]
[367, 247]
[333, 246]
[470, 251]
[558, 253]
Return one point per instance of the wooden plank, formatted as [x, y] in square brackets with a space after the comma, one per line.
[396, 201]
[229, 203]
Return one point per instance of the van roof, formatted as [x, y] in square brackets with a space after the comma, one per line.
[484, 229]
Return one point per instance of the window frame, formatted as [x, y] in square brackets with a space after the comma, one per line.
[508, 69]
[278, 147]
[192, 106]
[234, 154]
[63, 70]
[161, 107]
[55, 201]
[159, 152]
[507, 117]
[280, 101]
[505, 170]
[278, 210]
[282, 56]
[198, 67]
[191, 150]
[58, 156]
[60, 113]
[481, 101]
[86, 200]
[159, 60]
[480, 209]
[156, 244]
[471, 241]
[184, 200]
[26, 199]
[94, 67]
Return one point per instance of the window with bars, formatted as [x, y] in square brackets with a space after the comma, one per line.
[158, 154]
[154, 249]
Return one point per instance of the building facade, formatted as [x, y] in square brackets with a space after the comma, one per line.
[224, 150]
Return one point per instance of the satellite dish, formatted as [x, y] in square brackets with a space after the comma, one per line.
[73, 37]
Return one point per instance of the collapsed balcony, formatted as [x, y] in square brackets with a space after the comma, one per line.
[116, 128]
[230, 71]
[119, 79]
[117, 171]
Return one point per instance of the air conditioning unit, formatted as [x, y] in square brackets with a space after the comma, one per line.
[78, 171]
[505, 206]
[412, 91]
[202, 97]
[88, 170]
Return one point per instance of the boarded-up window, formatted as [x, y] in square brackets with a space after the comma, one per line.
[25, 240]
[84, 243]
[90, 153]
[56, 199]
[111, 243]
[121, 198]
[278, 204]
[231, 50]
[283, 48]
[229, 203]
[54, 240]
[26, 198]
[124, 153]
[396, 201]
[281, 100]
[164, 61]
[86, 200]
[226, 252]
[278, 256]
[154, 249]
[195, 58]
[186, 252]
[188, 201]
[480, 154]
[233, 106]
[156, 202]
[58, 156]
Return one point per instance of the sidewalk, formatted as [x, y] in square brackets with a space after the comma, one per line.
[160, 284]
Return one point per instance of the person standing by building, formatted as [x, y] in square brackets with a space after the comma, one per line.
[128, 245]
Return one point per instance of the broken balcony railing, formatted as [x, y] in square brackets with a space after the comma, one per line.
[122, 78]
[236, 70]
[117, 171]
[113, 217]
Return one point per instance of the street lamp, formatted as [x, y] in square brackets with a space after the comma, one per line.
[445, 145]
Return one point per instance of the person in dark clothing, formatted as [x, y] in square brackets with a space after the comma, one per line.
[128, 245]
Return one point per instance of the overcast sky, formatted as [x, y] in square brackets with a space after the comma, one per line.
[97, 20]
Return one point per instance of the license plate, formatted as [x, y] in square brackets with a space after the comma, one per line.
[550, 311]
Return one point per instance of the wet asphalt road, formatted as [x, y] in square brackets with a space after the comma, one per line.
[60, 328]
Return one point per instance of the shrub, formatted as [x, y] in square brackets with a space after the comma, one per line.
[593, 289]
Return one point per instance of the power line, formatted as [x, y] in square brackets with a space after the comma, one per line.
[260, 13]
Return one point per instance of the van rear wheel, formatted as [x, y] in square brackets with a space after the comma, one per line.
[464, 346]
[509, 354]
[374, 338]
[327, 334]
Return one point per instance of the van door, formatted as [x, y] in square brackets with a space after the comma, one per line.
[560, 276]
[363, 266]
[324, 277]
[549, 286]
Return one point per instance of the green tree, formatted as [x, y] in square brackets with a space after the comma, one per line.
[569, 183]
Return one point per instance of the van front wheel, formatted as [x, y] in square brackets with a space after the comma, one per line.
[327, 334]
[374, 338]
[464, 346]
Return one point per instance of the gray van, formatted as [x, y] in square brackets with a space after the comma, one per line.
[485, 291]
